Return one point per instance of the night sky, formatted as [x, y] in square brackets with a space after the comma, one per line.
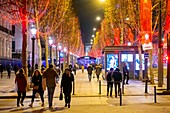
[87, 11]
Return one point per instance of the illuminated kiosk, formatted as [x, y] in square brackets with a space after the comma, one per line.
[115, 56]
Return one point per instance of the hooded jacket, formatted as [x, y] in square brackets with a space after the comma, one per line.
[117, 75]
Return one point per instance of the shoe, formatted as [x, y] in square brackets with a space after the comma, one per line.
[22, 104]
[111, 96]
[50, 107]
[30, 105]
[115, 96]
[18, 106]
[68, 105]
[42, 105]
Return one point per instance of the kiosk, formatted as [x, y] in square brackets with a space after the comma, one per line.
[116, 56]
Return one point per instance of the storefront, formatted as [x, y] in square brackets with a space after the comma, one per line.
[116, 56]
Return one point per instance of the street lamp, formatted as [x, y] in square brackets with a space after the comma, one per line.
[50, 42]
[129, 44]
[94, 29]
[33, 32]
[93, 36]
[102, 0]
[59, 50]
[98, 18]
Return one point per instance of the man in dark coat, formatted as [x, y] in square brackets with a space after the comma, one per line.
[125, 74]
[109, 80]
[66, 86]
[51, 75]
[89, 70]
[117, 76]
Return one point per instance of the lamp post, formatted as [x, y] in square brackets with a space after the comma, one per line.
[50, 42]
[59, 50]
[33, 32]
[64, 65]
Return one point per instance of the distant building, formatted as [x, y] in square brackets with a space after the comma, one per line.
[7, 31]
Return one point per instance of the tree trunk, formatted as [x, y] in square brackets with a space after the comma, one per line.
[23, 14]
[46, 52]
[38, 36]
[150, 67]
[140, 59]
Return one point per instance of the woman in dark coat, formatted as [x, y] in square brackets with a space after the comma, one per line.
[37, 86]
[66, 86]
[21, 82]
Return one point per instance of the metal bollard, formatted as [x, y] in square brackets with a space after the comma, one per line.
[99, 86]
[122, 88]
[154, 94]
[73, 87]
[120, 97]
[146, 86]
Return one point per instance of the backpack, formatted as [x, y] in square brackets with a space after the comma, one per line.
[109, 76]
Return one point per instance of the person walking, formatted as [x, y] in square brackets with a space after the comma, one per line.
[117, 76]
[1, 70]
[89, 71]
[16, 68]
[21, 83]
[125, 74]
[66, 86]
[9, 68]
[37, 87]
[98, 71]
[51, 75]
[109, 79]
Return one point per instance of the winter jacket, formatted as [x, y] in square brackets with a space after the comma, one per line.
[50, 74]
[21, 81]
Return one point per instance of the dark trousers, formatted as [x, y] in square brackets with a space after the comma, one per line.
[50, 95]
[109, 86]
[89, 76]
[19, 96]
[97, 77]
[126, 76]
[67, 97]
[41, 93]
[9, 74]
[117, 87]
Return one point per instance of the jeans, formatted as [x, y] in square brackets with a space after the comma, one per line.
[41, 93]
[127, 79]
[117, 85]
[89, 76]
[19, 96]
[67, 97]
[109, 86]
[50, 95]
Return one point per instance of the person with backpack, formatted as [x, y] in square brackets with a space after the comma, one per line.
[117, 76]
[109, 80]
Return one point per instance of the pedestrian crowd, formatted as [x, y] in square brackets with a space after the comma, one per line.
[44, 79]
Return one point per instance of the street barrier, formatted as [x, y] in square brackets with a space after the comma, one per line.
[154, 94]
[99, 86]
[120, 97]
[146, 86]
[73, 87]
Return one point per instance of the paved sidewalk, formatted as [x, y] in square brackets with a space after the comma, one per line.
[88, 100]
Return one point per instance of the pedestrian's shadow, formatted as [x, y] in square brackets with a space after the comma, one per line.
[19, 109]
[3, 109]
[37, 111]
[57, 109]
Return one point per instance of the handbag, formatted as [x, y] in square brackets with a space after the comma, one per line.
[61, 96]
[35, 87]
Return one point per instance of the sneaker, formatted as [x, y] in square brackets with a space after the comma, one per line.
[30, 105]
[68, 105]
